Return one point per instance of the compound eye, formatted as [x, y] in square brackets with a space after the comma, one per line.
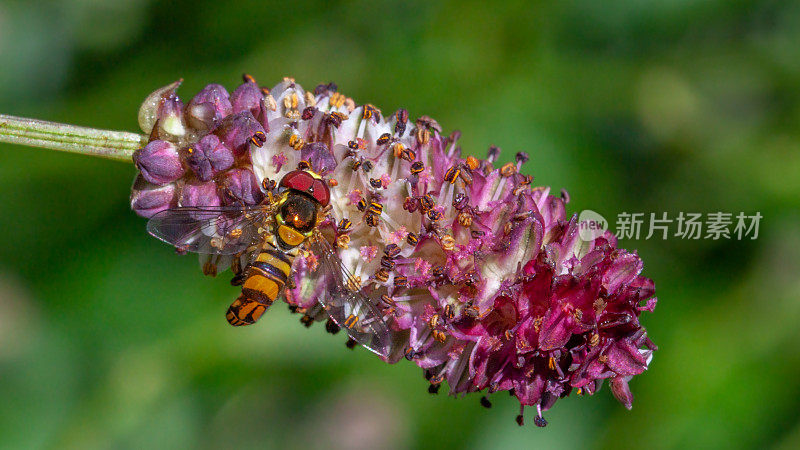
[300, 213]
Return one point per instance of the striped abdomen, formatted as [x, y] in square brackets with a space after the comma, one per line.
[264, 279]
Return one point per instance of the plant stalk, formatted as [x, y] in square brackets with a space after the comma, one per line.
[116, 145]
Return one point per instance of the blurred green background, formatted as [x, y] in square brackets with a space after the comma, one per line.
[110, 340]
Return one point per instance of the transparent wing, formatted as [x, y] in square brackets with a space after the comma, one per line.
[351, 309]
[220, 230]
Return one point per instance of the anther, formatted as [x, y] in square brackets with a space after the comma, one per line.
[370, 111]
[268, 184]
[310, 99]
[371, 219]
[434, 215]
[383, 139]
[460, 201]
[426, 202]
[565, 195]
[448, 243]
[344, 225]
[452, 174]
[465, 219]
[389, 301]
[387, 262]
[343, 241]
[508, 169]
[410, 204]
[402, 120]
[258, 138]
[308, 112]
[391, 250]
[492, 153]
[336, 100]
[423, 136]
[449, 314]
[375, 208]
[472, 162]
[382, 275]
[408, 154]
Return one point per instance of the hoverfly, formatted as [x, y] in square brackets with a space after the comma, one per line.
[268, 237]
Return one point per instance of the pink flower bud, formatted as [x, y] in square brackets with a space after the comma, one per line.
[208, 157]
[159, 162]
[241, 186]
[148, 111]
[208, 107]
[170, 118]
[621, 390]
[148, 199]
[237, 131]
[247, 97]
[200, 194]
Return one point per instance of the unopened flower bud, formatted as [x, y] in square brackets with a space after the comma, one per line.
[209, 157]
[148, 199]
[208, 107]
[238, 130]
[200, 194]
[247, 97]
[621, 390]
[319, 156]
[150, 106]
[170, 118]
[159, 162]
[241, 186]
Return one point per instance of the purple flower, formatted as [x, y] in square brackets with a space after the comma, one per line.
[483, 278]
[209, 157]
[159, 162]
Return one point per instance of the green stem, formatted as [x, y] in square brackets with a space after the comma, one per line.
[117, 145]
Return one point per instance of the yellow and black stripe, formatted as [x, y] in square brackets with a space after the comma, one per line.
[265, 278]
